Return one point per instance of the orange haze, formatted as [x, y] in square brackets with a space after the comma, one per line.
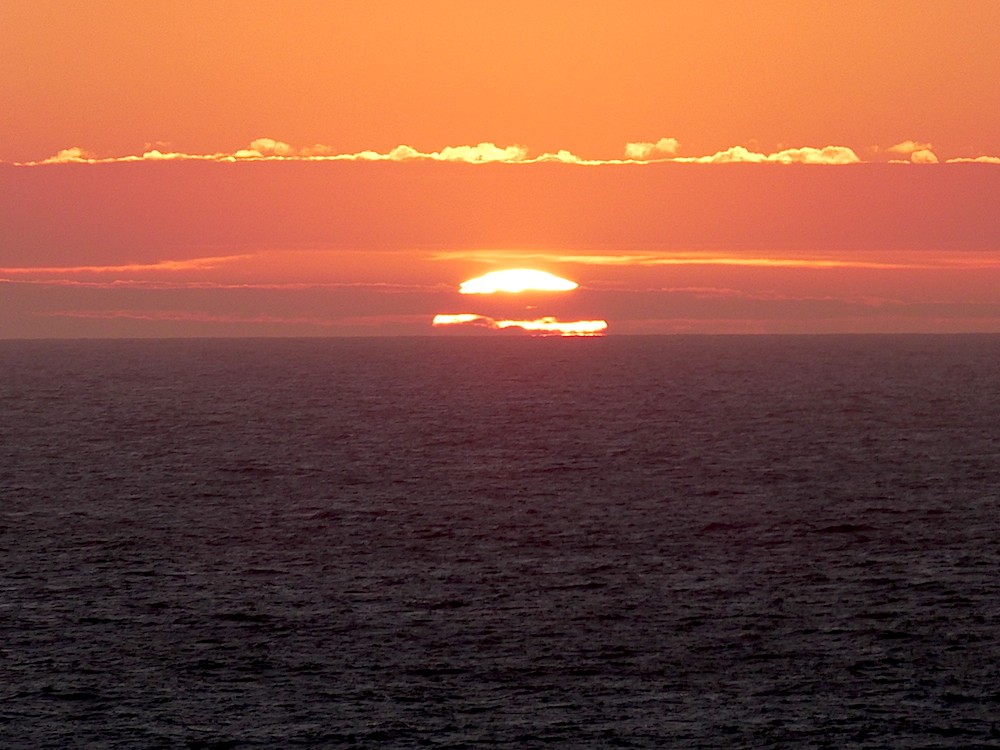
[116, 76]
[304, 248]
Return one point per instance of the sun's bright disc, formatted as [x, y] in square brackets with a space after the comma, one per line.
[516, 280]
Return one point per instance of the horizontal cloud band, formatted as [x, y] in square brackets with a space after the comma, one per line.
[666, 149]
[484, 153]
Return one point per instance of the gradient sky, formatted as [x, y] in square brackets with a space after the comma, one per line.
[292, 246]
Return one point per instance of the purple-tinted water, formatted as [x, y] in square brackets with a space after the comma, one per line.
[664, 542]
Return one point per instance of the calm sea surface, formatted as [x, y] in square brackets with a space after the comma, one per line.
[655, 542]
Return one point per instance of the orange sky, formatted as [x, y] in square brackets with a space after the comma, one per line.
[347, 247]
[587, 76]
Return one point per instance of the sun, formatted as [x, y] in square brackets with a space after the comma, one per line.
[516, 280]
[547, 326]
[520, 280]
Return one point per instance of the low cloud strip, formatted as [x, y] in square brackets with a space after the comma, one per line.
[663, 150]
[927, 262]
[638, 152]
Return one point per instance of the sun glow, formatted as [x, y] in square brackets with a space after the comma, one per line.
[547, 326]
[520, 280]
[516, 280]
[550, 325]
[453, 320]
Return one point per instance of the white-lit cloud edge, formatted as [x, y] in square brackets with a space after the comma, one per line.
[663, 150]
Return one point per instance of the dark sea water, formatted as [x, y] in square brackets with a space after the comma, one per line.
[662, 542]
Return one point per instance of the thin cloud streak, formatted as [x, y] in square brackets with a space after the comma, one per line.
[763, 296]
[186, 316]
[201, 316]
[199, 285]
[707, 260]
[892, 324]
[976, 160]
[194, 264]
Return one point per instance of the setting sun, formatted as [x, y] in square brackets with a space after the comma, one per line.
[547, 326]
[517, 280]
[520, 280]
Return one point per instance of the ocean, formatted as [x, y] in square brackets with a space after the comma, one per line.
[619, 542]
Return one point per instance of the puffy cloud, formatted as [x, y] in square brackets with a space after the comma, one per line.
[562, 156]
[918, 153]
[908, 147]
[318, 149]
[156, 155]
[807, 155]
[731, 155]
[69, 156]
[400, 153]
[484, 152]
[268, 147]
[828, 155]
[479, 154]
[642, 151]
[667, 148]
[923, 156]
